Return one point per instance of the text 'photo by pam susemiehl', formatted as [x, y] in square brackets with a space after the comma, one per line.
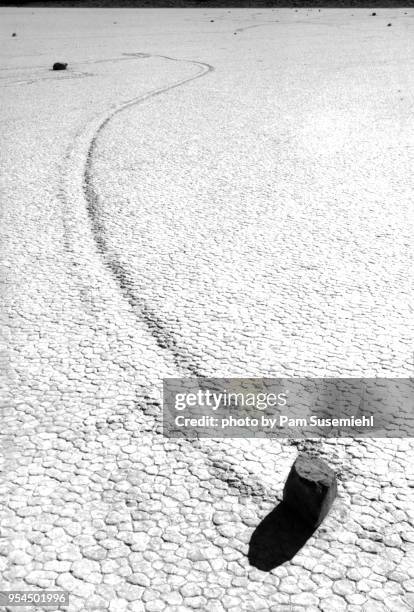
[294, 407]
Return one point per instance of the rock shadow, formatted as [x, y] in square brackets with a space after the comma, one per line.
[278, 538]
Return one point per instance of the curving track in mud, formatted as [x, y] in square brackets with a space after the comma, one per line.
[161, 334]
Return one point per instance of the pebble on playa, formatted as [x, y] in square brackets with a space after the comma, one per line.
[59, 66]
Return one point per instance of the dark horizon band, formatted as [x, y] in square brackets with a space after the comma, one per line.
[297, 4]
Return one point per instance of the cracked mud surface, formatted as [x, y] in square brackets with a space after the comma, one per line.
[161, 218]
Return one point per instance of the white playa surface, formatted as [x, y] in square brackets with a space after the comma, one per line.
[214, 198]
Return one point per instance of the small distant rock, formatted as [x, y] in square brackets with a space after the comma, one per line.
[14, 34]
[211, 20]
[373, 14]
[389, 25]
[60, 66]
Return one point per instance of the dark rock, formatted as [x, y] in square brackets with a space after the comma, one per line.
[373, 14]
[14, 34]
[59, 66]
[211, 20]
[278, 538]
[310, 489]
[389, 25]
